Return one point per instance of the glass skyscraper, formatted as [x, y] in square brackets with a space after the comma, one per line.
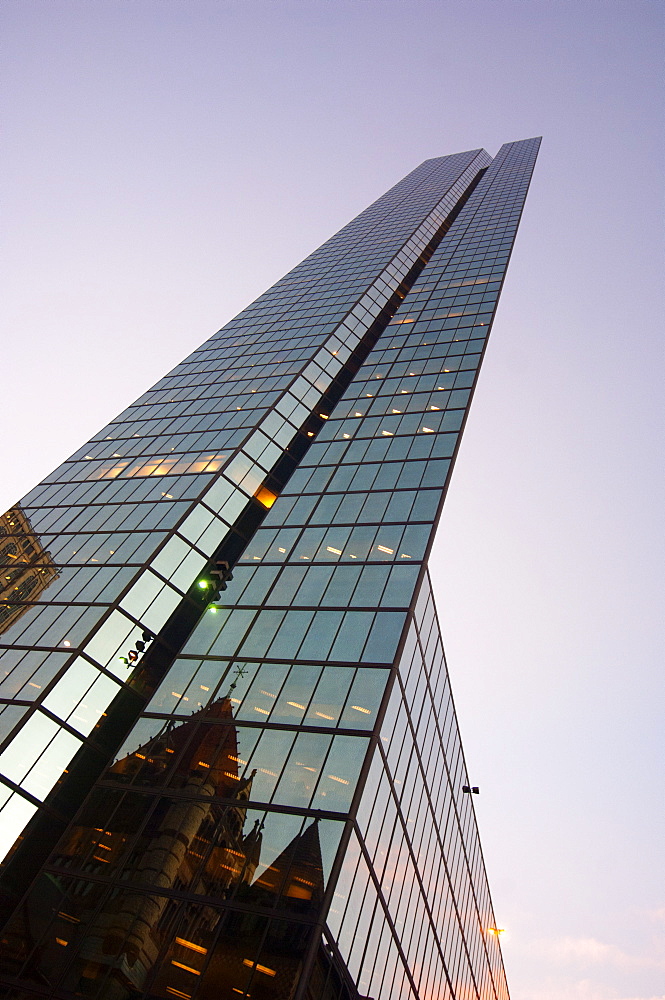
[230, 764]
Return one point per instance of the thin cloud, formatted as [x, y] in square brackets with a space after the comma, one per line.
[583, 989]
[591, 951]
[661, 996]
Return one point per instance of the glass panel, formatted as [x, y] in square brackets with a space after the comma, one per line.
[364, 701]
[26, 673]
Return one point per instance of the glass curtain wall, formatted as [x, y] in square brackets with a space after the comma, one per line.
[122, 529]
[283, 813]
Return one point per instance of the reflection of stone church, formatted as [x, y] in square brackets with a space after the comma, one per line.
[136, 941]
[26, 569]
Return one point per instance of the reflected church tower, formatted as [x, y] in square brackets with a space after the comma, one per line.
[189, 840]
[192, 840]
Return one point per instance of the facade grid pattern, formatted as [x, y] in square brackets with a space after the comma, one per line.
[265, 766]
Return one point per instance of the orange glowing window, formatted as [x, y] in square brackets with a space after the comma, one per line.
[259, 968]
[187, 968]
[191, 946]
[298, 892]
[266, 497]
